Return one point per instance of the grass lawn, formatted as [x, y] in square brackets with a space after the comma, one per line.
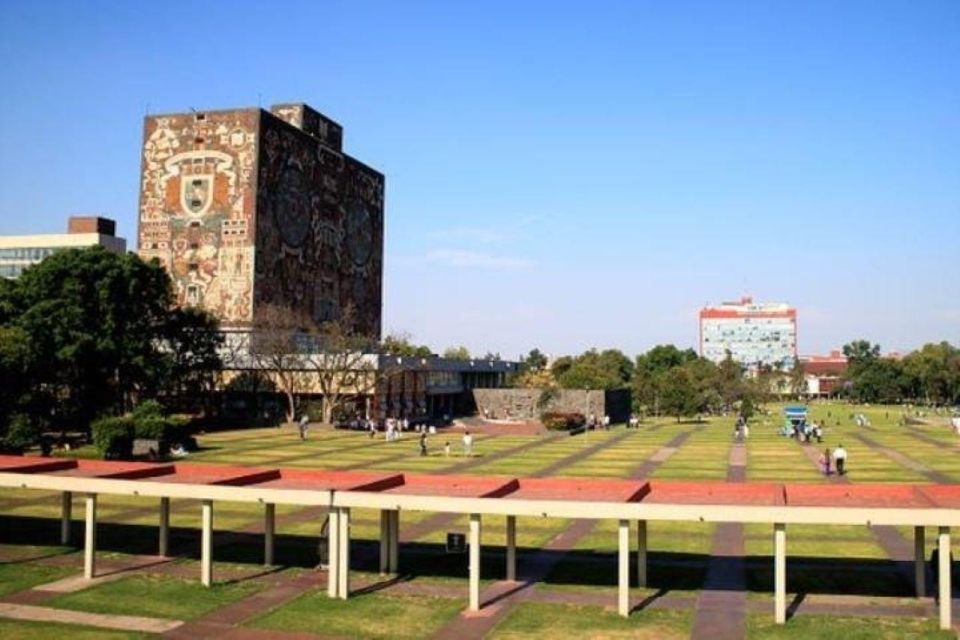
[830, 627]
[18, 576]
[26, 630]
[541, 620]
[366, 616]
[154, 596]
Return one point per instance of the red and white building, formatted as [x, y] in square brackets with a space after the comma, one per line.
[824, 374]
[763, 333]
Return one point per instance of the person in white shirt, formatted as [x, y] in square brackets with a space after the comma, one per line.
[467, 444]
[840, 458]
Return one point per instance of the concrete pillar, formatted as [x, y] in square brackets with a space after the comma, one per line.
[206, 543]
[919, 561]
[344, 561]
[385, 528]
[512, 548]
[641, 553]
[943, 574]
[623, 588]
[269, 528]
[164, 533]
[394, 542]
[780, 573]
[474, 562]
[66, 516]
[333, 553]
[90, 538]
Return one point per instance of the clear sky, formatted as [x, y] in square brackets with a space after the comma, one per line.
[559, 175]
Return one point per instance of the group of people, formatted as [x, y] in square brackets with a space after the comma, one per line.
[803, 431]
[838, 457]
[597, 422]
[862, 420]
[467, 444]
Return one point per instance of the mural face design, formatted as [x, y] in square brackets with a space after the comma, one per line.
[196, 208]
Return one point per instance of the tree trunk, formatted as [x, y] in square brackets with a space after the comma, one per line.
[327, 410]
[291, 408]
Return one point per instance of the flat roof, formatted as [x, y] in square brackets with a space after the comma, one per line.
[568, 489]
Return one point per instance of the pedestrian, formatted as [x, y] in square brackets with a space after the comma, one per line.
[302, 426]
[372, 429]
[840, 459]
[746, 431]
[606, 422]
[423, 443]
[446, 449]
[825, 461]
[467, 444]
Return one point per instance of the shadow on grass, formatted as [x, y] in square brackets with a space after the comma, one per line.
[666, 571]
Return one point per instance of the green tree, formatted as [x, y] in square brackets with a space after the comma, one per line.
[94, 322]
[535, 360]
[861, 352]
[400, 344]
[457, 353]
[679, 395]
[192, 343]
[933, 373]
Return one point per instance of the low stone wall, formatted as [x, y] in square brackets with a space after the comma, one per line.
[529, 404]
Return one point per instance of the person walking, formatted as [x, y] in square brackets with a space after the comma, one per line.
[840, 459]
[467, 444]
[423, 443]
[825, 460]
[446, 449]
[302, 426]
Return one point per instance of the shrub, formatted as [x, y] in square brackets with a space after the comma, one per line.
[21, 434]
[113, 437]
[557, 421]
[147, 409]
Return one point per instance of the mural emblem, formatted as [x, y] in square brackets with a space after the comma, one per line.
[196, 193]
[359, 233]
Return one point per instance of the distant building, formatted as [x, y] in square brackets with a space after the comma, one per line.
[755, 334]
[247, 208]
[19, 252]
[824, 374]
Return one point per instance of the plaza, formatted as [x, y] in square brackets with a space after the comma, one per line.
[699, 577]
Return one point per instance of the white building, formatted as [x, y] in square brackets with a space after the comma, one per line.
[754, 333]
[19, 252]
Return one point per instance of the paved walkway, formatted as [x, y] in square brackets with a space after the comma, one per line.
[104, 621]
[721, 607]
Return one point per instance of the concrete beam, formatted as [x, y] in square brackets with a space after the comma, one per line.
[66, 516]
[944, 592]
[333, 553]
[641, 553]
[780, 573]
[164, 533]
[90, 538]
[343, 582]
[269, 528]
[474, 562]
[206, 543]
[919, 561]
[512, 548]
[623, 569]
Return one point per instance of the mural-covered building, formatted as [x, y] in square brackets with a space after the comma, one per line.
[248, 208]
[755, 334]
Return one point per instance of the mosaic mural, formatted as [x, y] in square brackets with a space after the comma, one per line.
[245, 208]
[197, 207]
[319, 228]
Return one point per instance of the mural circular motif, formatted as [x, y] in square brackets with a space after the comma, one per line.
[291, 211]
[359, 233]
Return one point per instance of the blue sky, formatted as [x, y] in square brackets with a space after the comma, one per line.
[560, 175]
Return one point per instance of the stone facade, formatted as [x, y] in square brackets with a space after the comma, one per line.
[247, 208]
[524, 404]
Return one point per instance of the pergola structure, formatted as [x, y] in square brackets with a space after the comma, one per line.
[779, 505]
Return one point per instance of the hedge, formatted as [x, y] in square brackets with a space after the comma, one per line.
[557, 421]
[113, 437]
